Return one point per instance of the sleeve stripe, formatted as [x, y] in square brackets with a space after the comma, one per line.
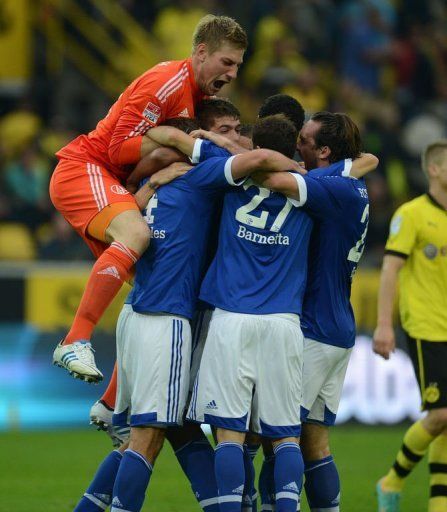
[347, 169]
[302, 188]
[166, 85]
[195, 157]
[396, 253]
[171, 91]
[227, 171]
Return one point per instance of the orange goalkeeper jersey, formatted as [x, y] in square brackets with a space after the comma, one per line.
[165, 91]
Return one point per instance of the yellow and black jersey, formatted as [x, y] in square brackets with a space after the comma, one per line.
[418, 233]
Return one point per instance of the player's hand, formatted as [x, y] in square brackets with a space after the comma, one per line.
[169, 173]
[299, 168]
[216, 138]
[198, 134]
[384, 341]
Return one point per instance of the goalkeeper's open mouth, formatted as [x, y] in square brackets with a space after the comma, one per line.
[218, 84]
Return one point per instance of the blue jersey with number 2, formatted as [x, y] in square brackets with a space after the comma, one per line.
[261, 262]
[339, 205]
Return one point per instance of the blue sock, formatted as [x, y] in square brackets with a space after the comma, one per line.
[267, 484]
[250, 494]
[289, 469]
[131, 482]
[197, 461]
[98, 496]
[230, 475]
[322, 484]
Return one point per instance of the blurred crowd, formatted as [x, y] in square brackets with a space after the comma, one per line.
[384, 62]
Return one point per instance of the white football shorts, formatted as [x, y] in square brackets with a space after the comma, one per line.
[323, 377]
[199, 329]
[250, 374]
[153, 356]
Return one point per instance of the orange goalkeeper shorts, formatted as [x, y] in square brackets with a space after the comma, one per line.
[80, 190]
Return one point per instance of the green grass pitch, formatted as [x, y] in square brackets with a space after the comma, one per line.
[48, 471]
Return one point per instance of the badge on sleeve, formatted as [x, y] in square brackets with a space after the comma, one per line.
[395, 225]
[152, 112]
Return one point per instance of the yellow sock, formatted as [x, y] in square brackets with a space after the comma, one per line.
[415, 443]
[437, 459]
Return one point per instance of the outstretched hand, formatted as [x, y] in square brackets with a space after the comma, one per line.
[169, 173]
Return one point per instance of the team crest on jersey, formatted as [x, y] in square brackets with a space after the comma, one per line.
[395, 225]
[430, 251]
[118, 189]
[152, 112]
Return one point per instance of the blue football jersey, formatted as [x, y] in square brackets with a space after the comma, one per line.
[260, 265]
[180, 216]
[339, 206]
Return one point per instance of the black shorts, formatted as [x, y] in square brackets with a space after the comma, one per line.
[429, 360]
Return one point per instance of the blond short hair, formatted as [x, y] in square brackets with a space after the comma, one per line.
[217, 30]
[434, 153]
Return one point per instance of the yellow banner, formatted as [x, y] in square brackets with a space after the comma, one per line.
[15, 41]
[52, 297]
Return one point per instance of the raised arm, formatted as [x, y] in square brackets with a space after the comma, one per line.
[384, 341]
[366, 163]
[150, 164]
[261, 160]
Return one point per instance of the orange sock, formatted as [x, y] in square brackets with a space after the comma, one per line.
[109, 396]
[109, 272]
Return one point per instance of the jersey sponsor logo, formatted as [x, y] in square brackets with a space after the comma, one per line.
[118, 189]
[430, 251]
[432, 393]
[152, 112]
[157, 233]
[257, 238]
[395, 225]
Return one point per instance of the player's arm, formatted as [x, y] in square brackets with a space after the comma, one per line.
[384, 341]
[364, 164]
[150, 164]
[171, 137]
[220, 140]
[261, 160]
[158, 179]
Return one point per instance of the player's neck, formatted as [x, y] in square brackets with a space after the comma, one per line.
[438, 193]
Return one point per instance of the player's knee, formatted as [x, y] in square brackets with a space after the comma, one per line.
[141, 238]
[147, 441]
[230, 436]
[135, 236]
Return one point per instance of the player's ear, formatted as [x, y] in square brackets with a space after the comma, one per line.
[201, 52]
[432, 171]
[324, 152]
